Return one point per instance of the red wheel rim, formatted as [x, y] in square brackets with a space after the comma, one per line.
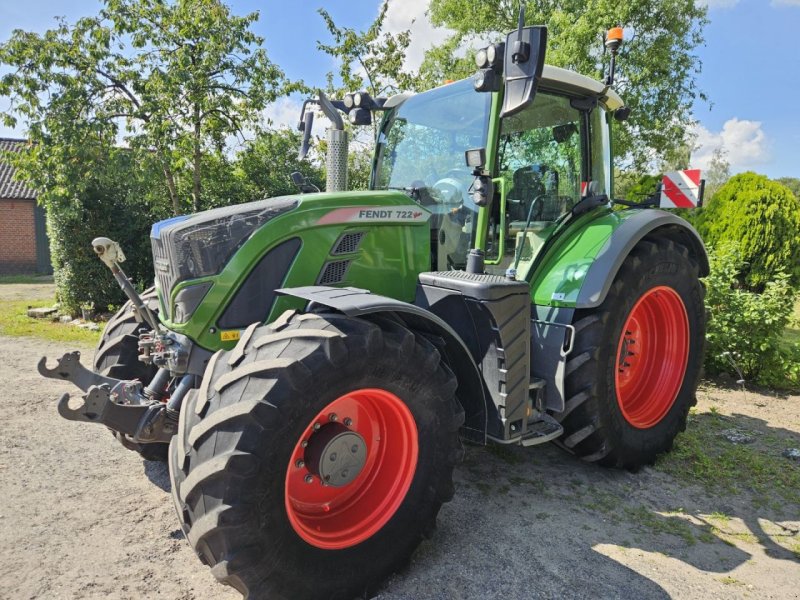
[339, 516]
[652, 354]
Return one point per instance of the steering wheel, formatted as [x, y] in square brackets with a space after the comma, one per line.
[449, 190]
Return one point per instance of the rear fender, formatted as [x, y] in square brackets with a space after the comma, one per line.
[579, 270]
[355, 302]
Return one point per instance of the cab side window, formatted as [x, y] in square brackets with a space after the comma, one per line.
[540, 161]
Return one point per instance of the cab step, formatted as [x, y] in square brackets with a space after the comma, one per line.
[542, 430]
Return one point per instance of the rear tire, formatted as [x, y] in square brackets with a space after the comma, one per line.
[117, 356]
[625, 407]
[238, 482]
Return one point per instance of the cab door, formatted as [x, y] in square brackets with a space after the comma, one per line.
[550, 155]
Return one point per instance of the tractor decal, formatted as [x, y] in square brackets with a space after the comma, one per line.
[372, 214]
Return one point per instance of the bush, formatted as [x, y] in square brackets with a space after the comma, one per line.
[749, 325]
[113, 204]
[763, 218]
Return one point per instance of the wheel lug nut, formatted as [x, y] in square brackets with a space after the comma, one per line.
[300, 464]
[347, 422]
[333, 456]
[317, 426]
[303, 444]
[333, 417]
[309, 478]
[354, 449]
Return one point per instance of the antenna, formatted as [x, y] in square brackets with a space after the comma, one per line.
[521, 51]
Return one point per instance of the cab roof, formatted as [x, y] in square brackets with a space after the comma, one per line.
[558, 79]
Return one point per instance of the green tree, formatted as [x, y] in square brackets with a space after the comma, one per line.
[115, 202]
[793, 183]
[717, 173]
[266, 163]
[763, 218]
[173, 79]
[370, 60]
[746, 326]
[657, 67]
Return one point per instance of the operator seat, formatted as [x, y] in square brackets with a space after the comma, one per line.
[535, 192]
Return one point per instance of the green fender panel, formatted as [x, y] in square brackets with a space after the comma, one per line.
[578, 269]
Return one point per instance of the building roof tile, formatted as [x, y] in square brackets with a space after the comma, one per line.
[9, 188]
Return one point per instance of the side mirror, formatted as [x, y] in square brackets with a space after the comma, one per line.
[522, 66]
[305, 126]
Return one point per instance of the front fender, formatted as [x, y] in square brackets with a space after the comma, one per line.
[355, 302]
[580, 267]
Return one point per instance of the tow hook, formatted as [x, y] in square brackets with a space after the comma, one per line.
[117, 404]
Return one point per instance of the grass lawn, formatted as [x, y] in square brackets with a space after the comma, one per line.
[792, 333]
[26, 279]
[14, 321]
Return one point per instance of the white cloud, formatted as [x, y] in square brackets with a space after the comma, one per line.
[412, 14]
[743, 141]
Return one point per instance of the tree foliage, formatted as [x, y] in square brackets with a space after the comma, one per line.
[114, 203]
[793, 183]
[172, 79]
[763, 218]
[266, 163]
[746, 328]
[657, 66]
[717, 173]
[370, 60]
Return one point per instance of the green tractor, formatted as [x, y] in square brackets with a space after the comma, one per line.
[309, 365]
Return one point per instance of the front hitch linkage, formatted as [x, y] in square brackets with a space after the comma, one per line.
[114, 403]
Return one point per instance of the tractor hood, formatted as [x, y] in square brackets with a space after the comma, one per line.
[202, 260]
[193, 246]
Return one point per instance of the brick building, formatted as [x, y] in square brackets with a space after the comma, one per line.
[23, 236]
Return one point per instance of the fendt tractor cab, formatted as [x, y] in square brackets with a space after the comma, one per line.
[310, 364]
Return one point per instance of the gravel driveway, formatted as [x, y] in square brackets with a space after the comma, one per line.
[83, 518]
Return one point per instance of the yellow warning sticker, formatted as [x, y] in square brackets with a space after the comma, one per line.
[230, 336]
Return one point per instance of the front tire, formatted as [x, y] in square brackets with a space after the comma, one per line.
[633, 372]
[267, 427]
[117, 356]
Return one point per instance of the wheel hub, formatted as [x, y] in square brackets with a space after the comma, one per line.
[336, 454]
[652, 355]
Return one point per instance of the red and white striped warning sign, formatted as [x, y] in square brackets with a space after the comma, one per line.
[680, 189]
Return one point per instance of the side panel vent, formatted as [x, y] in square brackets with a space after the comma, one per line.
[348, 243]
[334, 272]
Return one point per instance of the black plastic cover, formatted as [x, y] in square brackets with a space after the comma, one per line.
[475, 285]
[522, 78]
[253, 300]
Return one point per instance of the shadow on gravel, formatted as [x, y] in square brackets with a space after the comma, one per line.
[538, 523]
[158, 474]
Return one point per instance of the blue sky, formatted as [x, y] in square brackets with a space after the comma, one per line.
[751, 64]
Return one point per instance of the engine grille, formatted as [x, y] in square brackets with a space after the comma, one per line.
[334, 272]
[348, 243]
[164, 275]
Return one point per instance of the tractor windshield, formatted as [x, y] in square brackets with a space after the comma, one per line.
[421, 150]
